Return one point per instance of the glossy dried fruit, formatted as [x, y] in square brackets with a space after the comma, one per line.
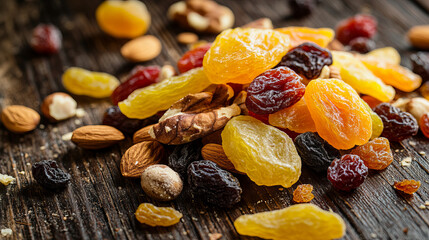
[386, 54]
[193, 58]
[376, 153]
[301, 8]
[298, 222]
[94, 84]
[300, 35]
[398, 125]
[357, 26]
[302, 193]
[183, 155]
[147, 101]
[157, 216]
[139, 77]
[49, 175]
[354, 72]
[377, 123]
[273, 90]
[123, 19]
[420, 64]
[339, 113]
[424, 90]
[213, 184]
[371, 101]
[239, 55]
[261, 117]
[361, 45]
[347, 173]
[315, 152]
[407, 186]
[424, 124]
[296, 118]
[307, 59]
[46, 38]
[266, 154]
[113, 117]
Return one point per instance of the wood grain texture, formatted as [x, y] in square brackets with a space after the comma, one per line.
[100, 203]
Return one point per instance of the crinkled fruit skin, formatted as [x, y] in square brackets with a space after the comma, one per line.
[183, 155]
[93, 84]
[266, 154]
[386, 54]
[362, 45]
[296, 118]
[420, 64]
[139, 77]
[193, 58]
[302, 193]
[213, 184]
[123, 19]
[307, 59]
[298, 222]
[398, 125]
[261, 117]
[49, 175]
[407, 186]
[339, 113]
[157, 216]
[376, 154]
[274, 90]
[354, 72]
[347, 173]
[424, 124]
[315, 152]
[145, 102]
[113, 117]
[46, 39]
[299, 35]
[360, 25]
[239, 55]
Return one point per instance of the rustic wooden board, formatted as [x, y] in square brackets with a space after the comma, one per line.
[100, 203]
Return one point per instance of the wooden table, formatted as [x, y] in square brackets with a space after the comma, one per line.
[100, 203]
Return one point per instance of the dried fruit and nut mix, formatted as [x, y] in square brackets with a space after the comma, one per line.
[238, 103]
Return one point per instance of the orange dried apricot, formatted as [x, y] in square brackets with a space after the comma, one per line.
[302, 193]
[376, 154]
[299, 35]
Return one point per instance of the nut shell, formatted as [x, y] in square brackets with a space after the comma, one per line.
[139, 156]
[160, 182]
[96, 136]
[20, 119]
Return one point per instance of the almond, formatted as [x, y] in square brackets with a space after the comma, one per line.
[142, 49]
[187, 38]
[139, 156]
[58, 106]
[419, 36]
[214, 152]
[143, 135]
[96, 136]
[20, 119]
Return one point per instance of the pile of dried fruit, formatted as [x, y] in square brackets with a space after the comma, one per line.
[253, 102]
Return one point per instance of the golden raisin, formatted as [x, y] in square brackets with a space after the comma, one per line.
[302, 193]
[376, 153]
[157, 216]
[407, 186]
[299, 35]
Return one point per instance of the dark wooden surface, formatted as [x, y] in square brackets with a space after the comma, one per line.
[100, 203]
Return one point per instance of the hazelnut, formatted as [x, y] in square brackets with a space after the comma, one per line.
[58, 106]
[160, 182]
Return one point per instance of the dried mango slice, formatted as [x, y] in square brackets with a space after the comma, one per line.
[386, 54]
[239, 55]
[354, 72]
[299, 35]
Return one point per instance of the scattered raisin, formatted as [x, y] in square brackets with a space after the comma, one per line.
[113, 117]
[213, 184]
[362, 45]
[273, 90]
[347, 173]
[157, 216]
[360, 25]
[307, 59]
[192, 58]
[183, 155]
[424, 124]
[376, 153]
[420, 64]
[315, 152]
[301, 8]
[398, 125]
[49, 175]
[46, 38]
[407, 186]
[302, 193]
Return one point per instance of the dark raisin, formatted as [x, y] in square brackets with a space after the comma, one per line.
[46, 39]
[315, 152]
[183, 155]
[213, 184]
[347, 173]
[273, 90]
[113, 117]
[307, 59]
[49, 175]
[398, 125]
[362, 45]
[301, 8]
[420, 64]
[192, 58]
[358, 26]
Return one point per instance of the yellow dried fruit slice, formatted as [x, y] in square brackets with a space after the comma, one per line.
[386, 54]
[299, 35]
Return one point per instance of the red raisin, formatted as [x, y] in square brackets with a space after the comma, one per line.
[192, 58]
[49, 175]
[358, 26]
[398, 125]
[347, 173]
[261, 117]
[273, 90]
[420, 64]
[424, 124]
[46, 39]
[362, 45]
[307, 59]
[139, 77]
